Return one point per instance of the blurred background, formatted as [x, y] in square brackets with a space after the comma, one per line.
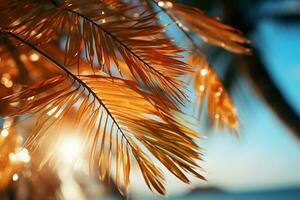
[264, 163]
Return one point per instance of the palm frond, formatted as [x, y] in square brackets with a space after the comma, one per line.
[132, 118]
[123, 98]
[116, 119]
[207, 83]
[220, 107]
[104, 36]
[191, 19]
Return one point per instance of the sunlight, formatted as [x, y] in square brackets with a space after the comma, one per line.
[69, 149]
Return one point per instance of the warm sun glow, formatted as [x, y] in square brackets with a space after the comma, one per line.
[69, 149]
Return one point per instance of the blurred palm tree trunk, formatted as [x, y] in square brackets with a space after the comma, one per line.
[255, 70]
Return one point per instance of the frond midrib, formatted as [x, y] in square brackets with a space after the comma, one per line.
[195, 45]
[119, 41]
[77, 79]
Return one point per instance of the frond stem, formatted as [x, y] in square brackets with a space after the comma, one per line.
[75, 78]
[194, 44]
[121, 43]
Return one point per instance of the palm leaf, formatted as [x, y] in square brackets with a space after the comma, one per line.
[220, 107]
[207, 83]
[124, 109]
[104, 36]
[116, 119]
[212, 31]
[115, 116]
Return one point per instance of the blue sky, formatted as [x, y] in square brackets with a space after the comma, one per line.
[280, 45]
